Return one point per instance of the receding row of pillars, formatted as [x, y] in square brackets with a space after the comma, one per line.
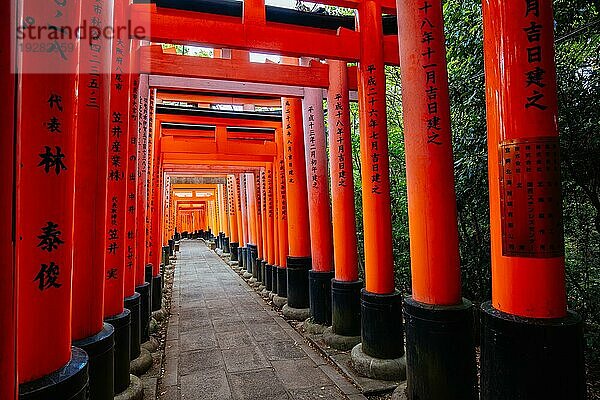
[316, 275]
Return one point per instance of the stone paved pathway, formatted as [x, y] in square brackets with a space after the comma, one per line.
[224, 342]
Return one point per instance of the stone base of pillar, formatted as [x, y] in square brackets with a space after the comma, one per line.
[100, 350]
[268, 277]
[279, 301]
[440, 339]
[313, 328]
[297, 281]
[70, 382]
[145, 310]
[400, 392]
[247, 275]
[135, 390]
[133, 304]
[345, 309]
[156, 292]
[234, 248]
[141, 364]
[151, 345]
[122, 325]
[281, 282]
[385, 369]
[319, 289]
[296, 314]
[533, 359]
[272, 295]
[339, 342]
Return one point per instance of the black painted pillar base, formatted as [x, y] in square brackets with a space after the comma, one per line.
[252, 256]
[165, 255]
[274, 279]
[122, 325]
[70, 382]
[282, 282]
[256, 269]
[156, 293]
[297, 281]
[381, 325]
[319, 289]
[268, 277]
[242, 257]
[226, 245]
[171, 247]
[440, 352]
[145, 311]
[234, 247]
[263, 272]
[533, 359]
[345, 307]
[100, 349]
[148, 275]
[133, 304]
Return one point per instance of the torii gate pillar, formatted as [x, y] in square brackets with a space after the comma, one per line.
[531, 345]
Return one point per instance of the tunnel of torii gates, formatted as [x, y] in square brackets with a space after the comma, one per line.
[106, 176]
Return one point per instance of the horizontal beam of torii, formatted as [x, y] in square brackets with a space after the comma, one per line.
[230, 87]
[168, 25]
[154, 61]
[216, 98]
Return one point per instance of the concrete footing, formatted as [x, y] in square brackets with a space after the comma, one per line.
[247, 275]
[400, 392]
[279, 301]
[153, 326]
[142, 364]
[296, 314]
[377, 368]
[339, 342]
[313, 328]
[151, 345]
[135, 391]
[159, 315]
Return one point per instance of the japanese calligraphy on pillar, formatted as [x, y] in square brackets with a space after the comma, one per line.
[282, 191]
[230, 195]
[339, 150]
[432, 70]
[534, 76]
[288, 143]
[259, 192]
[373, 134]
[270, 192]
[312, 148]
[263, 189]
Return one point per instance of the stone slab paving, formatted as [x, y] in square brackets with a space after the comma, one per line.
[224, 342]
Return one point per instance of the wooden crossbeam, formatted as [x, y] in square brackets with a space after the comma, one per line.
[203, 29]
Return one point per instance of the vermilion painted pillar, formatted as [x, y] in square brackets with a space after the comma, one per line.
[143, 274]
[133, 292]
[298, 261]
[155, 242]
[123, 319]
[252, 203]
[262, 196]
[280, 278]
[269, 215]
[439, 328]
[89, 331]
[315, 147]
[527, 323]
[8, 289]
[381, 304]
[345, 288]
[243, 252]
[233, 216]
[45, 178]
